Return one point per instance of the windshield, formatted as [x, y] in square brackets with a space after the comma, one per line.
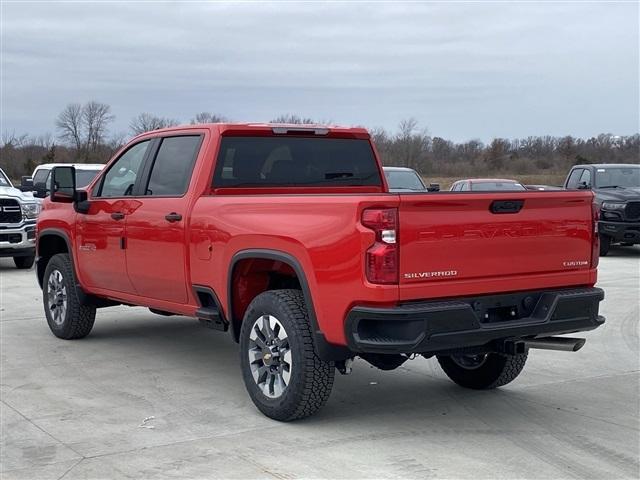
[84, 177]
[4, 181]
[618, 177]
[295, 161]
[493, 186]
[398, 179]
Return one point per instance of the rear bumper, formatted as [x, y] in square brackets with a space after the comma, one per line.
[436, 326]
[620, 231]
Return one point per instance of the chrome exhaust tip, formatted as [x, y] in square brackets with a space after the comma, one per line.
[565, 344]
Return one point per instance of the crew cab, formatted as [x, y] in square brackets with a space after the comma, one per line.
[288, 238]
[617, 194]
[18, 212]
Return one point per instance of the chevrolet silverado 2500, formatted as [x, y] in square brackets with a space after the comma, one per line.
[288, 238]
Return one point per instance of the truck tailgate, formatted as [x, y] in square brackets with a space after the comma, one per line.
[468, 243]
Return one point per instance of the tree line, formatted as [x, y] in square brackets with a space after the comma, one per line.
[83, 135]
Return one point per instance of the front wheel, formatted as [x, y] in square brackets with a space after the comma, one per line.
[482, 372]
[67, 317]
[284, 376]
[24, 262]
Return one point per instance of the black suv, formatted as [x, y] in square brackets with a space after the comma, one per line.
[617, 191]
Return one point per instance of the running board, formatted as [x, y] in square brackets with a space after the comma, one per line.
[210, 318]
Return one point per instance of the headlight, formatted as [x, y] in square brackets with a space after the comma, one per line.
[30, 210]
[613, 206]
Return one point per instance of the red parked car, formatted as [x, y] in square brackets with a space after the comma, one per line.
[288, 238]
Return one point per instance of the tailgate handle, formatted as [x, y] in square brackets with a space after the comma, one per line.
[506, 206]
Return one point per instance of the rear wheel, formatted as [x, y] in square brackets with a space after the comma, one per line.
[605, 245]
[482, 372]
[67, 317]
[283, 374]
[24, 262]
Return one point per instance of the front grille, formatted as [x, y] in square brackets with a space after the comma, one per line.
[10, 211]
[632, 210]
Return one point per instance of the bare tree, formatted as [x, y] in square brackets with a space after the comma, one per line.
[412, 145]
[95, 118]
[146, 122]
[69, 125]
[84, 127]
[11, 140]
[117, 141]
[294, 119]
[206, 117]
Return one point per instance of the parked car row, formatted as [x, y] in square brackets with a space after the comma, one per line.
[616, 189]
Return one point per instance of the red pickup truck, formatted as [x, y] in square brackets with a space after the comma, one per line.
[288, 238]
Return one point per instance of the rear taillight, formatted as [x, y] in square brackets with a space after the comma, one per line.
[595, 240]
[381, 259]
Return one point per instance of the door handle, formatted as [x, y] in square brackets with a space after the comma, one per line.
[173, 217]
[117, 215]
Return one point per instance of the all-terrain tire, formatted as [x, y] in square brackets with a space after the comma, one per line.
[24, 262]
[77, 319]
[495, 370]
[605, 245]
[311, 378]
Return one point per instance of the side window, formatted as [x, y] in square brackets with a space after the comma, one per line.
[173, 165]
[585, 177]
[41, 176]
[465, 187]
[119, 180]
[572, 183]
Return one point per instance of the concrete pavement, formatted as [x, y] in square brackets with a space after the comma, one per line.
[77, 409]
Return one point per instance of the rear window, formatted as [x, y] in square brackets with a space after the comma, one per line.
[295, 161]
[496, 186]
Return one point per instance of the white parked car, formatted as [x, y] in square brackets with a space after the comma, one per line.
[404, 179]
[39, 181]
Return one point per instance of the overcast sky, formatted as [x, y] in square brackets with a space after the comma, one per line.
[463, 70]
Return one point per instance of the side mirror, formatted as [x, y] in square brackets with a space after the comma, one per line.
[584, 186]
[63, 184]
[40, 190]
[26, 184]
[433, 187]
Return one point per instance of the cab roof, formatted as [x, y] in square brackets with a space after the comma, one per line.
[270, 129]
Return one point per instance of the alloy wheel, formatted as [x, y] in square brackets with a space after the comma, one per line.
[57, 297]
[270, 356]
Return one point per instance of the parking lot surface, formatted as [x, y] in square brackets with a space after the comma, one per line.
[146, 396]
